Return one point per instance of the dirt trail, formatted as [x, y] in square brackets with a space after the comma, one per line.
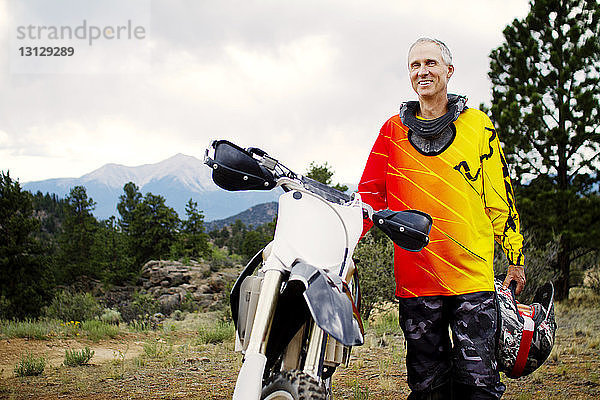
[54, 351]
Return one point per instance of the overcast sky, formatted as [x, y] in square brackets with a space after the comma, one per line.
[303, 80]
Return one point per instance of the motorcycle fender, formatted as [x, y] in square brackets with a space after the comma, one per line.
[329, 306]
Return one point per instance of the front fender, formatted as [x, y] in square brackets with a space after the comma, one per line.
[329, 305]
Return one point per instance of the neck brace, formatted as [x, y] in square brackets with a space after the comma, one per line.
[432, 137]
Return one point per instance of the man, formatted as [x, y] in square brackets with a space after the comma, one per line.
[441, 157]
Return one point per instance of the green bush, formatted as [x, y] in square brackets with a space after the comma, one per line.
[189, 304]
[28, 328]
[111, 316]
[68, 306]
[374, 257]
[178, 315]
[387, 322]
[157, 349]
[141, 308]
[30, 365]
[360, 393]
[139, 326]
[74, 358]
[217, 333]
[97, 330]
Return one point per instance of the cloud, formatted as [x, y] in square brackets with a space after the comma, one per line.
[306, 80]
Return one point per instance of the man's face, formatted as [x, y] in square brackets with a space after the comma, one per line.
[428, 72]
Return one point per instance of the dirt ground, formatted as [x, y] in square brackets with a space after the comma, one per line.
[173, 365]
[54, 351]
[121, 370]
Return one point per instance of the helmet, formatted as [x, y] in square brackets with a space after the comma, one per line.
[525, 332]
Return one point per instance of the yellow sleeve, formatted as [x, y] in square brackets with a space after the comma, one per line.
[499, 198]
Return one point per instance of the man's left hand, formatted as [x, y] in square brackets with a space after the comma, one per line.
[515, 273]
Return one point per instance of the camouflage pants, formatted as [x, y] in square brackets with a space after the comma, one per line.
[467, 362]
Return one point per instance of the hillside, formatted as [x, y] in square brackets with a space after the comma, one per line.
[256, 215]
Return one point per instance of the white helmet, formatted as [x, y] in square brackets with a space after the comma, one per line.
[525, 333]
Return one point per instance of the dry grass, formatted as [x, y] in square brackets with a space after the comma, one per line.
[173, 364]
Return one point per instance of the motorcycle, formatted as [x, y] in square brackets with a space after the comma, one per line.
[296, 304]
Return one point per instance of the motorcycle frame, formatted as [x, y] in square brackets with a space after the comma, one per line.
[305, 249]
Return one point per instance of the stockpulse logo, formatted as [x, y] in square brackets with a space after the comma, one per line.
[84, 32]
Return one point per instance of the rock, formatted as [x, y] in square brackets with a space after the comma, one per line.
[169, 302]
[216, 283]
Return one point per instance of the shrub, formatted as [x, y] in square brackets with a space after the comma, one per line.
[374, 257]
[360, 393]
[71, 328]
[217, 333]
[74, 358]
[139, 326]
[141, 308]
[157, 349]
[178, 315]
[111, 316]
[189, 304]
[219, 259]
[97, 330]
[592, 280]
[68, 306]
[385, 322]
[30, 365]
[28, 328]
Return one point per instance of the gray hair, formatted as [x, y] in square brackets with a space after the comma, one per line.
[446, 55]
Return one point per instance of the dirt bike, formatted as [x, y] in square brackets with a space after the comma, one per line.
[296, 304]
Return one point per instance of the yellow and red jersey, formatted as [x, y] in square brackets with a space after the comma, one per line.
[467, 191]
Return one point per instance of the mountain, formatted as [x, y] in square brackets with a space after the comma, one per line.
[178, 179]
[255, 216]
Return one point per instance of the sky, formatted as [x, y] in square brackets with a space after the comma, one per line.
[304, 80]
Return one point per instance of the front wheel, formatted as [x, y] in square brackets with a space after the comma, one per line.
[293, 385]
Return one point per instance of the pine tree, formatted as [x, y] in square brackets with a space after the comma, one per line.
[324, 173]
[25, 281]
[152, 229]
[77, 237]
[193, 235]
[127, 204]
[546, 106]
[111, 255]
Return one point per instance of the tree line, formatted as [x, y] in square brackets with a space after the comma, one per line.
[48, 242]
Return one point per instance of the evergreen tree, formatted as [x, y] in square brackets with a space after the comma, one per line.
[77, 237]
[546, 106]
[193, 238]
[152, 229]
[127, 204]
[49, 209]
[25, 281]
[324, 173]
[111, 255]
[253, 241]
[220, 237]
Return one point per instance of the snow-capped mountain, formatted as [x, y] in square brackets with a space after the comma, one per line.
[177, 178]
[189, 171]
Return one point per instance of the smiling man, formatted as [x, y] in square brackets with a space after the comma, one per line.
[439, 156]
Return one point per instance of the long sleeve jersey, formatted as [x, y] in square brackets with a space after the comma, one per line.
[467, 191]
